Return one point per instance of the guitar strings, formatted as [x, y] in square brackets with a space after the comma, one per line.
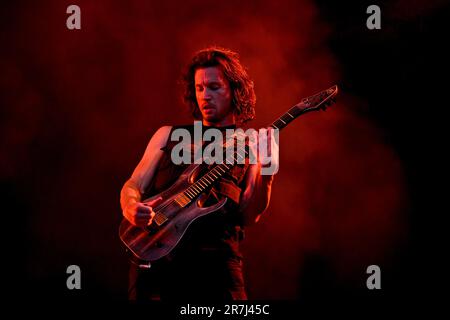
[159, 213]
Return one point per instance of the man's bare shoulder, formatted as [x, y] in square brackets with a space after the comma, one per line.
[161, 136]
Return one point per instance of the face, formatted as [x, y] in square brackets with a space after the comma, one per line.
[213, 94]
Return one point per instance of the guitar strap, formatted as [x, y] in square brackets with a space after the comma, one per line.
[228, 189]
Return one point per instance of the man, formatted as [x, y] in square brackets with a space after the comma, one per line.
[207, 263]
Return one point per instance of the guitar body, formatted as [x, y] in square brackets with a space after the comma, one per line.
[156, 241]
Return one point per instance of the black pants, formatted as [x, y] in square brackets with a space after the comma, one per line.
[203, 276]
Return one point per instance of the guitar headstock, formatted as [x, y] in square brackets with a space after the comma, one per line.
[318, 101]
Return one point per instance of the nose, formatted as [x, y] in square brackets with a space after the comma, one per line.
[207, 95]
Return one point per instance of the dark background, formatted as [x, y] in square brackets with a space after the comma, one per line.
[357, 184]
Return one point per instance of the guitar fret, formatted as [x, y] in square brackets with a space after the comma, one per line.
[206, 178]
[193, 191]
[189, 194]
[286, 118]
[239, 155]
[279, 124]
[296, 111]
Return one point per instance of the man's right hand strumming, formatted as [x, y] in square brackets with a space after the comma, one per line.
[140, 214]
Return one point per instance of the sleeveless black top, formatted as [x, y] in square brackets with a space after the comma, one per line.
[219, 231]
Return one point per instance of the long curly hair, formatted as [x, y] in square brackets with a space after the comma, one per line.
[242, 88]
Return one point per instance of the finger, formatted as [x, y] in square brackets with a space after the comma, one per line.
[143, 215]
[149, 222]
[143, 209]
[156, 201]
[138, 221]
[141, 221]
[153, 202]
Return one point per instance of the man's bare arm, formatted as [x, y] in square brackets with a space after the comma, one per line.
[256, 196]
[130, 195]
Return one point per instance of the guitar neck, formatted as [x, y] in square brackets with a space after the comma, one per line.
[299, 109]
[286, 118]
[209, 178]
[315, 102]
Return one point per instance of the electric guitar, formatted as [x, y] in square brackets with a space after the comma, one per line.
[180, 203]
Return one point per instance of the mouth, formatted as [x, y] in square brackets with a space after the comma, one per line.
[208, 107]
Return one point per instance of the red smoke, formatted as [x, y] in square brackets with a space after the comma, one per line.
[83, 104]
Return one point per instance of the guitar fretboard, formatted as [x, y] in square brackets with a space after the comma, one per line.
[286, 118]
[206, 181]
[218, 171]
